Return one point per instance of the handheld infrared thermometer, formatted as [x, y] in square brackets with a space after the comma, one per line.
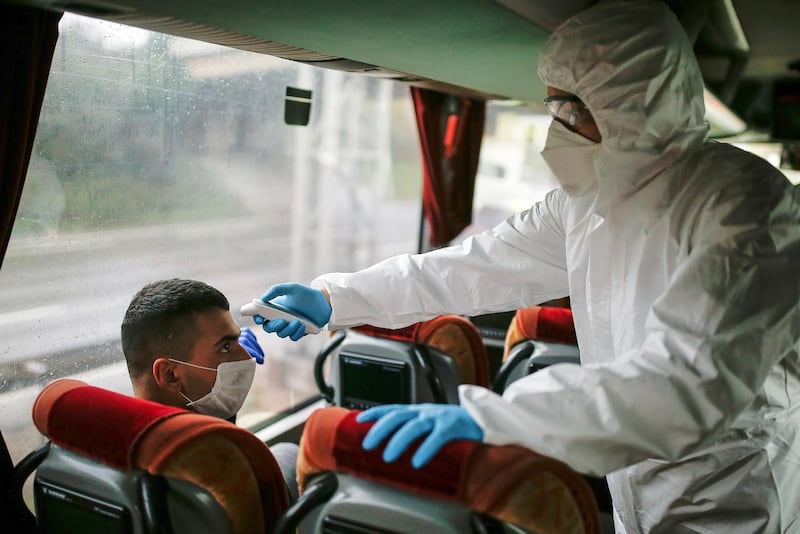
[271, 310]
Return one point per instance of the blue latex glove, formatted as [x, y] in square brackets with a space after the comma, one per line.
[247, 339]
[304, 300]
[442, 423]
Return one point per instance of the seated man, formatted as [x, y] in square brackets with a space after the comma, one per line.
[184, 349]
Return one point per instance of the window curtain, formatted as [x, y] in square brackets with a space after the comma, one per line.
[27, 41]
[450, 133]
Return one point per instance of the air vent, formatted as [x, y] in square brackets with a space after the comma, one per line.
[339, 525]
[209, 34]
[92, 9]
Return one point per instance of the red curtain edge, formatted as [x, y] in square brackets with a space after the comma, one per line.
[29, 39]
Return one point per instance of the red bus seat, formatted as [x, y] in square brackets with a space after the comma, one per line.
[510, 484]
[423, 362]
[543, 323]
[537, 337]
[451, 334]
[128, 437]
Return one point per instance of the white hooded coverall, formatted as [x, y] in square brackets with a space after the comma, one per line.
[683, 267]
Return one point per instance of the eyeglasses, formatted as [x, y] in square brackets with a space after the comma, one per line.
[568, 110]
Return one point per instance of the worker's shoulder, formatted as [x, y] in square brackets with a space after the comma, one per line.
[722, 186]
[717, 174]
[727, 163]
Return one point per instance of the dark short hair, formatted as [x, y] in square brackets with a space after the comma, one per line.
[158, 319]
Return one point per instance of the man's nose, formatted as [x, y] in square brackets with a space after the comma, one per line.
[241, 353]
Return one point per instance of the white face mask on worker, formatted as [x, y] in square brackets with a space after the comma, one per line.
[229, 390]
[571, 158]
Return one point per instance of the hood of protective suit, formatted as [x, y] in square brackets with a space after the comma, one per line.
[632, 65]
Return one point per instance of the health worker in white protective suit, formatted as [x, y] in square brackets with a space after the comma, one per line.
[682, 260]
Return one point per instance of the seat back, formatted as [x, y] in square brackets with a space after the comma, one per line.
[16, 516]
[424, 362]
[120, 464]
[537, 337]
[458, 491]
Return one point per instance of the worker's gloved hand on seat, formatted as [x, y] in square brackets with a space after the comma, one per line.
[247, 339]
[306, 301]
[442, 423]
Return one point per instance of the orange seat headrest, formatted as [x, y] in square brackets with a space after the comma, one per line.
[543, 323]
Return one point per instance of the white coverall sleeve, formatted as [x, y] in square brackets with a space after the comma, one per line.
[730, 313]
[519, 263]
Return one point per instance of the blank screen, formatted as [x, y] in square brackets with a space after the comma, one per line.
[368, 381]
[63, 511]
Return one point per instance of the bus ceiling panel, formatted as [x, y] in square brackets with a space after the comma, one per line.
[547, 15]
[480, 46]
[735, 40]
[742, 41]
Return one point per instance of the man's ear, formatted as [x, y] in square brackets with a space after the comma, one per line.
[164, 375]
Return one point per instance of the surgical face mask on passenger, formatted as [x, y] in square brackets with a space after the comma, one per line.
[229, 390]
[571, 158]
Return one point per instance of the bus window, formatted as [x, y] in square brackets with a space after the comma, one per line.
[160, 157]
[512, 175]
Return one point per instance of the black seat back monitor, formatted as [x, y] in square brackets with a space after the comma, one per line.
[368, 381]
[67, 511]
